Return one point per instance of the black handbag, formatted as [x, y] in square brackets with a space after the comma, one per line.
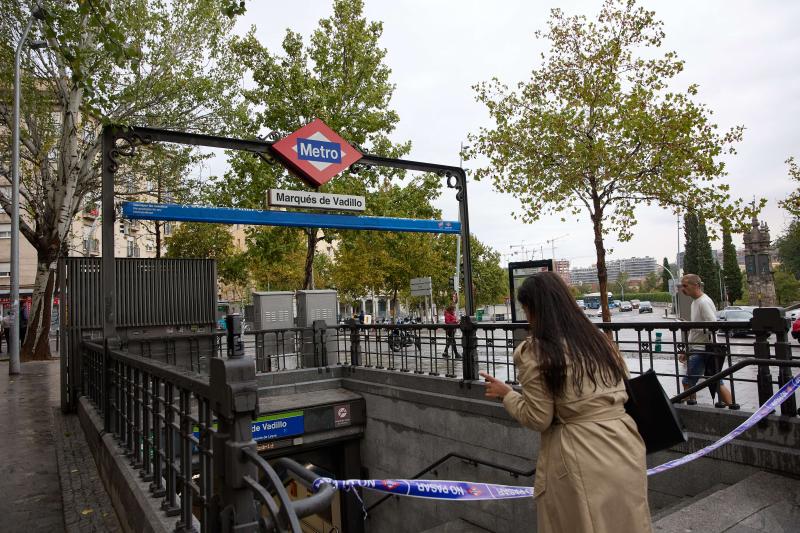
[655, 416]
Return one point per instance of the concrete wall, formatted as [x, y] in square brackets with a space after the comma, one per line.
[413, 420]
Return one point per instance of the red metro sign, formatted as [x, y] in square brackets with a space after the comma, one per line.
[315, 153]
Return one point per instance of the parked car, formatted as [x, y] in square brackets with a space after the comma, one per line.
[645, 307]
[635, 304]
[796, 329]
[614, 303]
[735, 315]
[581, 304]
[625, 306]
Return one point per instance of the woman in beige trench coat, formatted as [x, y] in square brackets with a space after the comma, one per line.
[591, 471]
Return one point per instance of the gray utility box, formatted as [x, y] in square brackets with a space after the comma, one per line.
[273, 314]
[273, 310]
[312, 306]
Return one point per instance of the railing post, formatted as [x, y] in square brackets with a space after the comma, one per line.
[355, 343]
[762, 325]
[319, 329]
[469, 347]
[106, 399]
[783, 352]
[235, 400]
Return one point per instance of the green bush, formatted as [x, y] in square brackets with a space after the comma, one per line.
[648, 296]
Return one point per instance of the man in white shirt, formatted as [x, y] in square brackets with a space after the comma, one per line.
[701, 360]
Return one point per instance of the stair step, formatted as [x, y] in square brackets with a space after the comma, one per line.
[762, 502]
[686, 500]
[457, 526]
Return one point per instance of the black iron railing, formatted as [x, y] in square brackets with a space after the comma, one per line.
[420, 349]
[190, 436]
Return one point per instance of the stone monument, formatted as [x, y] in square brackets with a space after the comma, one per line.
[757, 251]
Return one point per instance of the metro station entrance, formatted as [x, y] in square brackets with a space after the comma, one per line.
[327, 443]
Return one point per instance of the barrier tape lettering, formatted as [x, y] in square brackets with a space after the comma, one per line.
[466, 491]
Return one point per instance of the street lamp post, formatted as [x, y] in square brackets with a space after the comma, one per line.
[13, 351]
[674, 284]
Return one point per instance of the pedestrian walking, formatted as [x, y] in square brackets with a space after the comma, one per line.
[591, 471]
[23, 322]
[702, 358]
[7, 329]
[450, 334]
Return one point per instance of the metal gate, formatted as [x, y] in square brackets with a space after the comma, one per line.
[165, 310]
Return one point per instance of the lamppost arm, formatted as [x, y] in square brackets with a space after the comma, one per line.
[13, 350]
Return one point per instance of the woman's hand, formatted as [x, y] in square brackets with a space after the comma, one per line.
[494, 387]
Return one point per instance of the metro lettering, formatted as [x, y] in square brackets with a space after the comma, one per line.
[322, 151]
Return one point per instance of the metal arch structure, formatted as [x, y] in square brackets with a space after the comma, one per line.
[122, 141]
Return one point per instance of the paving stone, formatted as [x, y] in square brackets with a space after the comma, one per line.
[49, 471]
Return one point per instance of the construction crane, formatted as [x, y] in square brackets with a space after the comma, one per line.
[552, 243]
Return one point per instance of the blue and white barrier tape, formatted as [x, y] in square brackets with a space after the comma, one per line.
[466, 491]
[435, 489]
[770, 405]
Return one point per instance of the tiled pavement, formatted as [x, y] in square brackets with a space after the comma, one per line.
[37, 444]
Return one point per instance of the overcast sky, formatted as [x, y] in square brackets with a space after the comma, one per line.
[745, 56]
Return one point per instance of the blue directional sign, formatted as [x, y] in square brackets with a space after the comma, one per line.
[230, 215]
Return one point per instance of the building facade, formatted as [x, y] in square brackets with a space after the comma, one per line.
[637, 269]
[561, 267]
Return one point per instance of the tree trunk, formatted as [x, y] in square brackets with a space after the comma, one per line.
[602, 272]
[36, 345]
[158, 240]
[308, 280]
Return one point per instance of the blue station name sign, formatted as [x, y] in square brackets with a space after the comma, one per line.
[278, 426]
[274, 427]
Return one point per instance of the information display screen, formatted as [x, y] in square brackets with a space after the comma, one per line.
[517, 274]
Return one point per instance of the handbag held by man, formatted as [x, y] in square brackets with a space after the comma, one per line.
[654, 414]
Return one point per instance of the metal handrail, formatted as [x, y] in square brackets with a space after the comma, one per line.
[283, 517]
[730, 370]
[469, 459]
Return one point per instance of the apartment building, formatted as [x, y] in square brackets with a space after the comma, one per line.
[637, 269]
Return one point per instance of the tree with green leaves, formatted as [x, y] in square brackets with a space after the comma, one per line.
[792, 202]
[208, 241]
[788, 245]
[598, 131]
[787, 286]
[652, 282]
[707, 267]
[691, 248]
[380, 262]
[142, 62]
[732, 274]
[340, 77]
[489, 278]
[665, 277]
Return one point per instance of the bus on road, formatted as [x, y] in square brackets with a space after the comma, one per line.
[592, 300]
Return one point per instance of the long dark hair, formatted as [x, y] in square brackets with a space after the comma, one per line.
[562, 332]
